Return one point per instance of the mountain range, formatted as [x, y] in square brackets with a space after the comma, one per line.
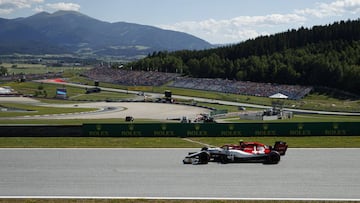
[70, 32]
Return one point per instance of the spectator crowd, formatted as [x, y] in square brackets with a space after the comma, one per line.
[153, 78]
[129, 77]
[242, 87]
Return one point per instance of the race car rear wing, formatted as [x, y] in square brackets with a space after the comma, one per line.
[280, 147]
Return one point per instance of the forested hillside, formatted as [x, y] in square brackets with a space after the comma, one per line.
[321, 56]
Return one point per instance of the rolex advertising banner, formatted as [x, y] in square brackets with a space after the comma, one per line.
[221, 129]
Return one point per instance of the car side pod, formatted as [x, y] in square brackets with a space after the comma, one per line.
[272, 158]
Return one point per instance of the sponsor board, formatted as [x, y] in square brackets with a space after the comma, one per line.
[222, 129]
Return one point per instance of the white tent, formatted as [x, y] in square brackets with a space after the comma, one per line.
[4, 90]
[279, 96]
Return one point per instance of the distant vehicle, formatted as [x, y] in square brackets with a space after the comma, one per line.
[204, 118]
[129, 119]
[243, 153]
[92, 90]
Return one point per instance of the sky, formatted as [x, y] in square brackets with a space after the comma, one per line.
[216, 21]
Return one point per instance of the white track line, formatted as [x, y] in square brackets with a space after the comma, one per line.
[178, 198]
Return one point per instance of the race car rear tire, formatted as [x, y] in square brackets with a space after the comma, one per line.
[224, 159]
[273, 158]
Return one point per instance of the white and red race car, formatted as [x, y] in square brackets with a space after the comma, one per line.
[244, 152]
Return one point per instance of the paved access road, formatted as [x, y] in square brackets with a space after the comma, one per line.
[302, 173]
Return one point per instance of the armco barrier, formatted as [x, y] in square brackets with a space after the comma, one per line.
[41, 131]
[222, 129]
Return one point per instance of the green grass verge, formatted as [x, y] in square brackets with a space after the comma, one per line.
[151, 201]
[101, 96]
[302, 118]
[38, 68]
[31, 88]
[48, 91]
[293, 142]
[172, 142]
[71, 121]
[90, 142]
[32, 110]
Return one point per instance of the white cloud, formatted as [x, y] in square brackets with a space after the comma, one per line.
[245, 27]
[39, 9]
[336, 8]
[9, 6]
[235, 29]
[5, 11]
[64, 6]
[18, 3]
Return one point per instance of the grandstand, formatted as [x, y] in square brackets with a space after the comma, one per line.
[153, 78]
[242, 87]
[128, 77]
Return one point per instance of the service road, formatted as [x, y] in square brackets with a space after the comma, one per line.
[302, 173]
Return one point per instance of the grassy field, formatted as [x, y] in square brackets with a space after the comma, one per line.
[153, 201]
[173, 142]
[31, 110]
[303, 118]
[73, 93]
[30, 88]
[38, 68]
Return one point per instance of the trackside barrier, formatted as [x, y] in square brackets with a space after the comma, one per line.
[222, 129]
[184, 130]
[41, 131]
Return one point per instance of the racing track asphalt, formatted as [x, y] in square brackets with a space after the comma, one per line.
[159, 173]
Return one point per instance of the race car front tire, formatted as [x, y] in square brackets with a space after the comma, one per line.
[204, 157]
